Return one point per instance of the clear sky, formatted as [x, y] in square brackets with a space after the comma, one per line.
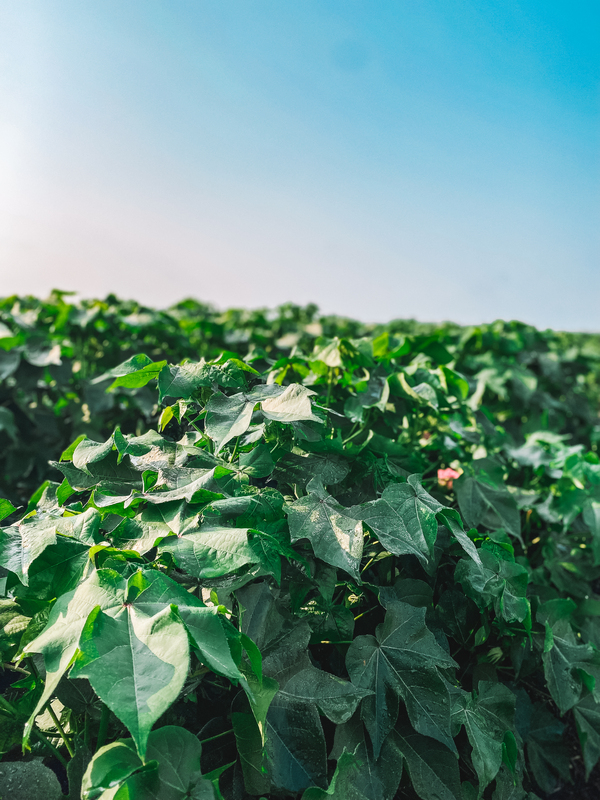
[437, 159]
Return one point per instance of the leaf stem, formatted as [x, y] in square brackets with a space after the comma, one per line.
[8, 706]
[36, 732]
[103, 729]
[353, 435]
[367, 565]
[60, 729]
[329, 386]
[368, 611]
[55, 719]
[216, 736]
[86, 729]
[15, 669]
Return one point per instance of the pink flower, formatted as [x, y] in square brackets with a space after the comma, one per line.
[446, 476]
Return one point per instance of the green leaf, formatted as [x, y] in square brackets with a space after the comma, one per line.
[172, 770]
[137, 371]
[227, 417]
[17, 778]
[335, 698]
[482, 504]
[88, 452]
[58, 641]
[211, 552]
[21, 544]
[433, 768]
[293, 468]
[372, 779]
[375, 395]
[587, 718]
[336, 535]
[496, 581]
[342, 785]
[451, 519]
[132, 644]
[293, 405]
[459, 616]
[250, 750]
[401, 661]
[258, 463]
[548, 755]
[295, 745]
[67, 454]
[165, 417]
[136, 664]
[6, 508]
[487, 718]
[403, 523]
[183, 381]
[564, 662]
[192, 485]
[9, 362]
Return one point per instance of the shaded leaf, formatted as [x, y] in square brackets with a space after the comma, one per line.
[336, 536]
[401, 661]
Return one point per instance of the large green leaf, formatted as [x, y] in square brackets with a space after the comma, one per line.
[565, 663]
[132, 644]
[371, 778]
[498, 581]
[295, 745]
[402, 522]
[587, 717]
[335, 534]
[21, 544]
[211, 552]
[227, 417]
[59, 639]
[547, 751]
[487, 717]
[136, 664]
[293, 405]
[484, 504]
[401, 661]
[335, 698]
[433, 768]
[172, 770]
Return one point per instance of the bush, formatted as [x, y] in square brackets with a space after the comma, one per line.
[344, 566]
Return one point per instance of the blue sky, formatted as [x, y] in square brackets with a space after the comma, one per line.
[437, 159]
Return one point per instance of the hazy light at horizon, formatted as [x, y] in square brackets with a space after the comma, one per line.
[429, 160]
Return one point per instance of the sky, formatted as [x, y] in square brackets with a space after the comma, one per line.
[434, 159]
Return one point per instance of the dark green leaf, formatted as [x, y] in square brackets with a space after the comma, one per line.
[336, 535]
[433, 768]
[401, 661]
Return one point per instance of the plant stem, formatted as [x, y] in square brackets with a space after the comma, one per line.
[8, 706]
[86, 730]
[368, 611]
[55, 719]
[329, 387]
[353, 435]
[15, 669]
[216, 736]
[103, 729]
[36, 732]
[60, 729]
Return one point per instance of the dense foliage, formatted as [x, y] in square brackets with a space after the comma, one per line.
[316, 560]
